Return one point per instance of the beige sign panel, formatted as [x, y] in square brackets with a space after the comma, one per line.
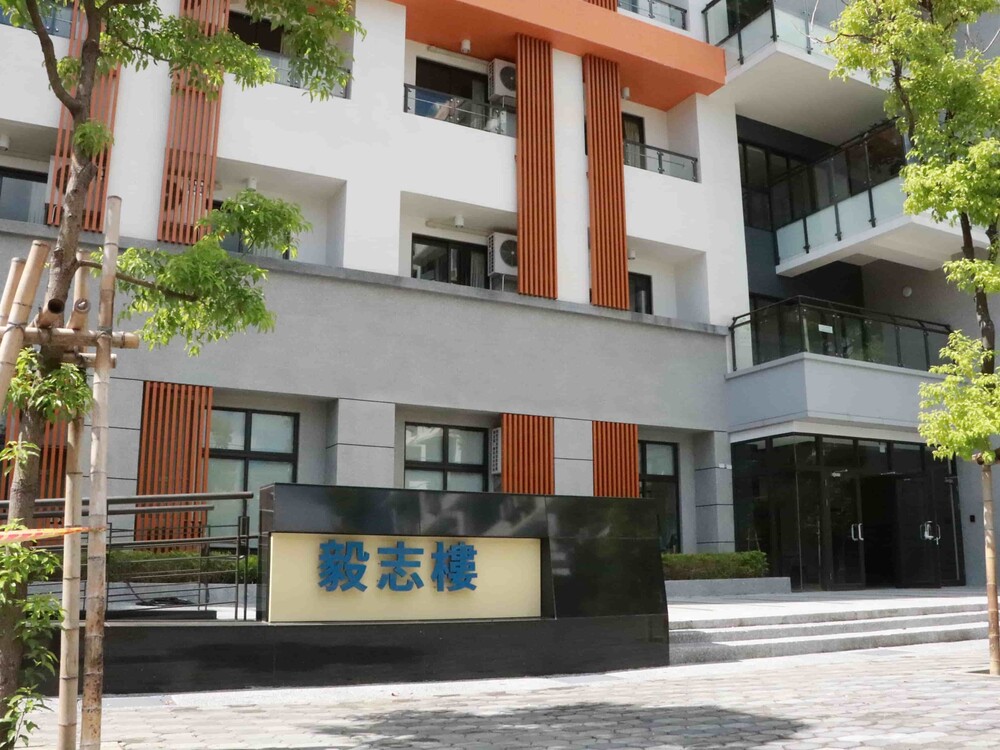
[508, 581]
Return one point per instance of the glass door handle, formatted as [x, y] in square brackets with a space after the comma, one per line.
[854, 536]
[861, 532]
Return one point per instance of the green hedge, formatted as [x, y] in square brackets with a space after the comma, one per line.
[714, 565]
[140, 566]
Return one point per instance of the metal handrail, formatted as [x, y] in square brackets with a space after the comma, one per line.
[847, 309]
[768, 9]
[58, 21]
[488, 117]
[632, 6]
[684, 159]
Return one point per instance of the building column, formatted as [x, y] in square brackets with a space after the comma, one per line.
[361, 443]
[574, 457]
[713, 489]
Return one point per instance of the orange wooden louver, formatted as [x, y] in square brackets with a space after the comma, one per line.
[52, 458]
[528, 454]
[616, 459]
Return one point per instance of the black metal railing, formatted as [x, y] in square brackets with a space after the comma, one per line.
[57, 21]
[659, 10]
[842, 194]
[742, 27]
[660, 160]
[803, 324]
[188, 555]
[22, 196]
[493, 118]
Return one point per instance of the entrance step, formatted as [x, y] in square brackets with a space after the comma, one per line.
[797, 633]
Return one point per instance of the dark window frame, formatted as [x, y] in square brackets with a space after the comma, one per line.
[672, 479]
[444, 466]
[469, 75]
[247, 455]
[264, 36]
[449, 246]
[647, 280]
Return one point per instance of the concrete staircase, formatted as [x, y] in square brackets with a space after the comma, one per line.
[788, 634]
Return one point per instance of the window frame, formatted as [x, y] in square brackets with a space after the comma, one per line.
[247, 454]
[445, 466]
[449, 247]
[674, 479]
[646, 279]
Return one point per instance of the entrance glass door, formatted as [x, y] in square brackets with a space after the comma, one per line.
[845, 556]
[918, 533]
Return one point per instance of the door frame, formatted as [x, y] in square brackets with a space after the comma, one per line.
[924, 480]
[854, 477]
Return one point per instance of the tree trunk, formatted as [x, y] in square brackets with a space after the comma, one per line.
[10, 653]
[26, 484]
[991, 570]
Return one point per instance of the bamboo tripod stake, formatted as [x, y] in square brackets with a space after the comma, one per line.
[93, 675]
[69, 661]
[17, 315]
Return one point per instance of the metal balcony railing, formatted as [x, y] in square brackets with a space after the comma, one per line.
[492, 118]
[658, 10]
[660, 160]
[804, 324]
[57, 21]
[742, 27]
[285, 76]
[22, 196]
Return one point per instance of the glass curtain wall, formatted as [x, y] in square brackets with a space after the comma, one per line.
[843, 513]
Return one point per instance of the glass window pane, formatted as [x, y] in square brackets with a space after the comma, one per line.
[874, 455]
[660, 459]
[424, 443]
[262, 473]
[228, 430]
[224, 475]
[418, 479]
[838, 453]
[788, 450]
[465, 481]
[668, 511]
[272, 433]
[906, 458]
[466, 446]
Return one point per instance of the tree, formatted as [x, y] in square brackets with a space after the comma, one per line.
[203, 294]
[944, 91]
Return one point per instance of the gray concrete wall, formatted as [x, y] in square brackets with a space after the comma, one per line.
[824, 389]
[574, 457]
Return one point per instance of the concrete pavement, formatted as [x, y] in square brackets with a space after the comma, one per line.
[932, 697]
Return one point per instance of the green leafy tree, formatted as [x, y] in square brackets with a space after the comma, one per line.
[944, 90]
[202, 294]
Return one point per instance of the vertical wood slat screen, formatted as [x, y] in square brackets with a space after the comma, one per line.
[528, 454]
[616, 459]
[173, 456]
[192, 141]
[609, 4]
[103, 108]
[52, 474]
[536, 170]
[606, 175]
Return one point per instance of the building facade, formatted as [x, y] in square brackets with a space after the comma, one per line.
[583, 247]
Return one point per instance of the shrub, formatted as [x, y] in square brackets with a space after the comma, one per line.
[177, 566]
[714, 565]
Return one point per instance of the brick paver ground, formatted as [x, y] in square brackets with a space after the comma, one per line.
[926, 697]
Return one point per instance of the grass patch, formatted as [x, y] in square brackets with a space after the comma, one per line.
[702, 566]
[143, 566]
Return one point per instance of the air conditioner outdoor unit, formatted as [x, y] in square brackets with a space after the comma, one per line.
[496, 457]
[502, 255]
[503, 80]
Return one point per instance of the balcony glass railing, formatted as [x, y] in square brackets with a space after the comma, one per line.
[285, 76]
[493, 118]
[57, 21]
[802, 324]
[22, 196]
[742, 27]
[658, 10]
[841, 195]
[660, 160]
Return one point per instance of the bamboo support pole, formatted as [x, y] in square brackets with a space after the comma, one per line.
[10, 288]
[50, 315]
[86, 359]
[78, 318]
[24, 297]
[93, 673]
[69, 653]
[67, 338]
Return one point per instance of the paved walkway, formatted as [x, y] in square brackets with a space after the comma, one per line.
[932, 697]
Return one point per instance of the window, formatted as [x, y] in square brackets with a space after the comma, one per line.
[22, 195]
[634, 133]
[446, 79]
[248, 450]
[438, 457]
[259, 33]
[658, 481]
[640, 293]
[451, 262]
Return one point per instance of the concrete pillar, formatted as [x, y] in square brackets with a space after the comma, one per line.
[572, 191]
[360, 444]
[574, 457]
[713, 489]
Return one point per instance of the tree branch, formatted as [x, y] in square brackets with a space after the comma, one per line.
[51, 63]
[142, 282]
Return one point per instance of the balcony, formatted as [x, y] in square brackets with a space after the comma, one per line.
[805, 325]
[22, 196]
[849, 206]
[57, 21]
[653, 159]
[658, 10]
[779, 72]
[285, 76]
[435, 105]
